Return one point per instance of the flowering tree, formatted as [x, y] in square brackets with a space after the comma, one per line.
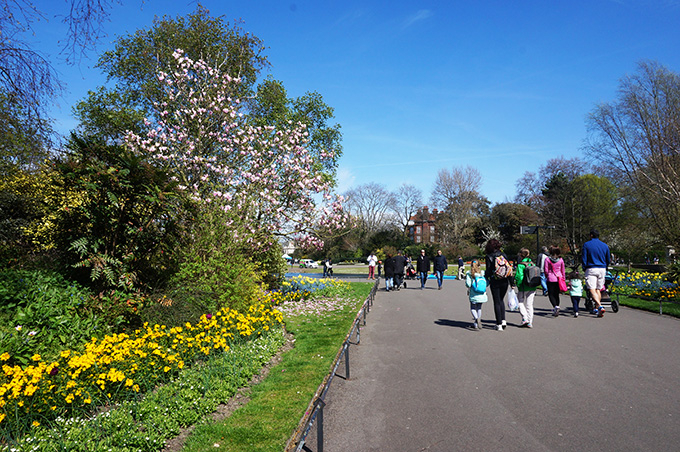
[263, 181]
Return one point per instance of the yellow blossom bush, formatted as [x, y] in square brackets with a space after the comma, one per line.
[120, 366]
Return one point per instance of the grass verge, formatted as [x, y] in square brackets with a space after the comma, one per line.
[672, 309]
[279, 402]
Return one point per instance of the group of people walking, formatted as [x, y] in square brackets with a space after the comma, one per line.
[395, 268]
[499, 276]
[547, 273]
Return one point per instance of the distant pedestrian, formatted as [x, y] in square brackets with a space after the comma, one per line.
[525, 292]
[379, 269]
[541, 264]
[423, 268]
[461, 267]
[554, 270]
[595, 260]
[399, 264]
[325, 268]
[575, 289]
[498, 273]
[440, 266]
[476, 283]
[372, 261]
[389, 273]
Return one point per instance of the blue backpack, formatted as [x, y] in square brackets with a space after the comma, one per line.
[479, 284]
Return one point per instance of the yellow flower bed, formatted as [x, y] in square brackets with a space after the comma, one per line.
[119, 366]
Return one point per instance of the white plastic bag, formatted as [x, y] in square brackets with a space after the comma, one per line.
[511, 299]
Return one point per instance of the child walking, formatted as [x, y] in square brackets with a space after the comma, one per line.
[476, 283]
[575, 289]
[525, 291]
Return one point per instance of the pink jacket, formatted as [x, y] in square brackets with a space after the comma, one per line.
[553, 269]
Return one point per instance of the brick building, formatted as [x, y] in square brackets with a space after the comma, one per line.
[422, 226]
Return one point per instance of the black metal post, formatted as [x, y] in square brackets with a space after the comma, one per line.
[347, 360]
[319, 426]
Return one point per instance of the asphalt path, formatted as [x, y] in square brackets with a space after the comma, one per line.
[422, 381]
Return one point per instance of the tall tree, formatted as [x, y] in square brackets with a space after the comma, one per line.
[135, 60]
[638, 137]
[507, 217]
[407, 200]
[574, 206]
[271, 106]
[134, 92]
[456, 193]
[371, 205]
[530, 186]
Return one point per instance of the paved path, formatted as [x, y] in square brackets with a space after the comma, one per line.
[421, 381]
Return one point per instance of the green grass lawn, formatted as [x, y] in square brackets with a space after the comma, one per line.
[669, 308]
[277, 404]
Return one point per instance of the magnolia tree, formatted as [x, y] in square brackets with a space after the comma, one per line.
[262, 180]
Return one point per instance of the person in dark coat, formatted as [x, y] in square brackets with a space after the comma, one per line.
[498, 285]
[399, 264]
[423, 268]
[440, 266]
[389, 273]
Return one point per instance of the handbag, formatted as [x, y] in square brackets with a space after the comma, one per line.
[511, 297]
[562, 283]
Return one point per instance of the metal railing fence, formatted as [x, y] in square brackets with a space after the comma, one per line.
[314, 413]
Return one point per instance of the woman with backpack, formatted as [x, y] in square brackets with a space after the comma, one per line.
[498, 273]
[554, 271]
[528, 279]
[476, 283]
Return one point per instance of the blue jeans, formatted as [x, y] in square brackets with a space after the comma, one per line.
[440, 277]
[544, 283]
[423, 278]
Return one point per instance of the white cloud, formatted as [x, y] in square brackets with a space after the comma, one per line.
[417, 17]
[345, 179]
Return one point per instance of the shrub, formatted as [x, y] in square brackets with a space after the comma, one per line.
[43, 313]
[121, 228]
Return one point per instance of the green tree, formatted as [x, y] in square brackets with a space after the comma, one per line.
[576, 205]
[507, 217]
[271, 106]
[134, 61]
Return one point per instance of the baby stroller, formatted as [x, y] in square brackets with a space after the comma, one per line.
[607, 292]
[410, 272]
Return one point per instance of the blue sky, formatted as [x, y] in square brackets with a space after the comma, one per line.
[422, 85]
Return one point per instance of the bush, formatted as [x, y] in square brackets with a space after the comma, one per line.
[122, 220]
[42, 313]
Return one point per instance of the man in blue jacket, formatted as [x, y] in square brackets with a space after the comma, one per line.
[595, 259]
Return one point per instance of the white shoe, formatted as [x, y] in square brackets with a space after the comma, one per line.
[504, 324]
[499, 327]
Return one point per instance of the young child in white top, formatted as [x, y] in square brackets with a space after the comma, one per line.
[575, 289]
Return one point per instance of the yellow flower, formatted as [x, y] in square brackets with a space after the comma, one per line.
[4, 356]
[36, 424]
[36, 357]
